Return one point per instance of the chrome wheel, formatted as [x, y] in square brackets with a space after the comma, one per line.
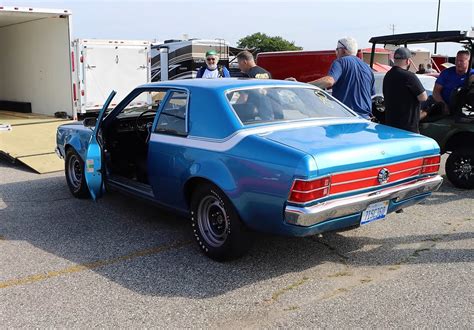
[212, 221]
[460, 168]
[463, 168]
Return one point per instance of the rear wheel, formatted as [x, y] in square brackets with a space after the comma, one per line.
[217, 228]
[460, 168]
[74, 170]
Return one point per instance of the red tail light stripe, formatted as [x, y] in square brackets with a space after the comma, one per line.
[304, 191]
[351, 176]
[353, 181]
[308, 191]
[413, 171]
[403, 175]
[430, 169]
[372, 181]
[354, 185]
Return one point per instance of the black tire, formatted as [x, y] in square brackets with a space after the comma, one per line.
[460, 168]
[217, 227]
[74, 171]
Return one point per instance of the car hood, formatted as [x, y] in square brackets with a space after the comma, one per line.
[346, 146]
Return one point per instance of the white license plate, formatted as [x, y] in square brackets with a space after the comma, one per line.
[373, 212]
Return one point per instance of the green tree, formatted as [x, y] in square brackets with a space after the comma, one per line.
[263, 43]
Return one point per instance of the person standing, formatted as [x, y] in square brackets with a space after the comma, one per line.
[351, 80]
[247, 65]
[403, 92]
[212, 69]
[450, 79]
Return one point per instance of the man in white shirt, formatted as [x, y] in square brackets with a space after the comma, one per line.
[212, 69]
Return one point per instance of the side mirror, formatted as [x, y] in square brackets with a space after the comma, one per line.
[89, 122]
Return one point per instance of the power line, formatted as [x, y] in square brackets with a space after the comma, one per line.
[392, 27]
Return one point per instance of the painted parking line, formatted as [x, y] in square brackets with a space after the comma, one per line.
[91, 265]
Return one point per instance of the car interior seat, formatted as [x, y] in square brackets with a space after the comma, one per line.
[245, 111]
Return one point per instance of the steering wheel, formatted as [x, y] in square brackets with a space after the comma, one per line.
[147, 126]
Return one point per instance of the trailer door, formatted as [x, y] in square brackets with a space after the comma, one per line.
[113, 68]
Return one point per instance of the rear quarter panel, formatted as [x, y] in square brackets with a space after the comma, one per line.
[256, 175]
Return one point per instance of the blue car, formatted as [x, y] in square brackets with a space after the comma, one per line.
[244, 155]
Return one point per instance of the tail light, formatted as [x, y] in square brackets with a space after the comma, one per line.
[430, 165]
[307, 191]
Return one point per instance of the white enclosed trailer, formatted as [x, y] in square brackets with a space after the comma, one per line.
[35, 60]
[105, 65]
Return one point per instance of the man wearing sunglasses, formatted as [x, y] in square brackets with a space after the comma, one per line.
[351, 80]
[212, 69]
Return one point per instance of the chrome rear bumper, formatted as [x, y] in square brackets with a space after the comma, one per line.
[311, 215]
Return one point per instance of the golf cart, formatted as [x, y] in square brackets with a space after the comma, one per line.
[454, 132]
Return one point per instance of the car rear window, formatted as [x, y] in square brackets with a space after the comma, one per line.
[275, 104]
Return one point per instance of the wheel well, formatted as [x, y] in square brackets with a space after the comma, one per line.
[191, 184]
[459, 140]
[68, 147]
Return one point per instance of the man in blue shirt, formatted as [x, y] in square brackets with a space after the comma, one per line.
[450, 79]
[351, 80]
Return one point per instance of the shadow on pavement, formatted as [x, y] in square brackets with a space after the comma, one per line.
[152, 252]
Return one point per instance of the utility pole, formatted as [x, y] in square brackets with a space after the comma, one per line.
[437, 25]
[392, 27]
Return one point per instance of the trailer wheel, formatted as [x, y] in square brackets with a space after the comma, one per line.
[74, 171]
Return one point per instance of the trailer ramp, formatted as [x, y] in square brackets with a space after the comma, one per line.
[30, 139]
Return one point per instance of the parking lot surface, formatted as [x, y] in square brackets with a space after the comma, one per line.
[120, 262]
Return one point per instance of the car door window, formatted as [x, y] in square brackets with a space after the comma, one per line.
[172, 119]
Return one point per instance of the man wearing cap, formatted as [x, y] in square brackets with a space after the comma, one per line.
[351, 80]
[212, 69]
[403, 92]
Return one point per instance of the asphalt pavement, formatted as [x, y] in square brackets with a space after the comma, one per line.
[120, 262]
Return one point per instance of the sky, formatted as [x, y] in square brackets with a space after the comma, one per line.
[313, 25]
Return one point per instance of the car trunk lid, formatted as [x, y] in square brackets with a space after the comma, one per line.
[353, 145]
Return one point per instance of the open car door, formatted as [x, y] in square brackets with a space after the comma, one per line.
[93, 164]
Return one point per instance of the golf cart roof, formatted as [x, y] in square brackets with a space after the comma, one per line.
[425, 37]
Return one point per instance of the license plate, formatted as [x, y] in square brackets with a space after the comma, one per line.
[373, 212]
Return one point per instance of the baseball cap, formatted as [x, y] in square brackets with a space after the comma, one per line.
[211, 52]
[402, 53]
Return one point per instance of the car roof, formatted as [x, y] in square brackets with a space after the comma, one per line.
[223, 83]
[424, 37]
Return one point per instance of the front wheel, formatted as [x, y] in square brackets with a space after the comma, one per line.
[460, 168]
[74, 171]
[217, 228]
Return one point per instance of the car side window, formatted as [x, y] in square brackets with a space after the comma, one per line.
[172, 119]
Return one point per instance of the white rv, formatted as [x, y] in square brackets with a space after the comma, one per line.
[181, 59]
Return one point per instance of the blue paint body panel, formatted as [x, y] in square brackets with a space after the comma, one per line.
[256, 165]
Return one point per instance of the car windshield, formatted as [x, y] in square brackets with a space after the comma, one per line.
[275, 104]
